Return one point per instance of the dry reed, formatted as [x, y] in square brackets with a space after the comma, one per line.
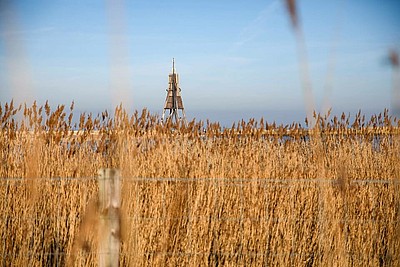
[254, 194]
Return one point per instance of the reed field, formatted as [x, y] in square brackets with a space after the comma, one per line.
[254, 194]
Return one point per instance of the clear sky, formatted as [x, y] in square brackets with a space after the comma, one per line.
[236, 59]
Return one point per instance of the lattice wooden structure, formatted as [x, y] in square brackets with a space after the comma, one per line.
[173, 101]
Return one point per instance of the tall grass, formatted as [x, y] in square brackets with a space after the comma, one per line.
[252, 194]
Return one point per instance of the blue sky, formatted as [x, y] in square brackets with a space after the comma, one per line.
[236, 59]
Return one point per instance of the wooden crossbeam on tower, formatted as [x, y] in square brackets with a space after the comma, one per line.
[173, 101]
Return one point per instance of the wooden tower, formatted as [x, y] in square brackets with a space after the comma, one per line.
[173, 101]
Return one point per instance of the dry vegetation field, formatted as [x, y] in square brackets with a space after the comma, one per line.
[255, 194]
